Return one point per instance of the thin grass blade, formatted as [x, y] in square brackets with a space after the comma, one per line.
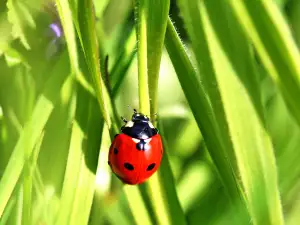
[87, 35]
[157, 17]
[265, 26]
[204, 116]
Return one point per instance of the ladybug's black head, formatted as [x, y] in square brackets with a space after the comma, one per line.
[139, 117]
[139, 127]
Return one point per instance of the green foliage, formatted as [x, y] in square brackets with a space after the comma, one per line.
[225, 94]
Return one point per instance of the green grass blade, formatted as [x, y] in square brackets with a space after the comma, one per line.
[89, 44]
[9, 208]
[140, 214]
[196, 96]
[71, 176]
[170, 211]
[157, 17]
[252, 144]
[160, 188]
[141, 28]
[30, 133]
[90, 47]
[81, 167]
[90, 148]
[65, 14]
[29, 169]
[270, 34]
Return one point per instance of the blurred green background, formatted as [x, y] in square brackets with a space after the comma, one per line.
[54, 141]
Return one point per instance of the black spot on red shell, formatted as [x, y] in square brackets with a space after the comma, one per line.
[128, 166]
[116, 151]
[151, 166]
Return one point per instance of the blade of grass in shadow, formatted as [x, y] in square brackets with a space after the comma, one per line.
[31, 132]
[80, 172]
[230, 54]
[167, 186]
[90, 148]
[122, 63]
[270, 34]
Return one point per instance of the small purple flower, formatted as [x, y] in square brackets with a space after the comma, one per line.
[56, 42]
[56, 29]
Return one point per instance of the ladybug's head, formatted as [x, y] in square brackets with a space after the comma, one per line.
[139, 117]
[139, 127]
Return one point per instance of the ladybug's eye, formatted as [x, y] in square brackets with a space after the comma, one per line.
[128, 166]
[151, 166]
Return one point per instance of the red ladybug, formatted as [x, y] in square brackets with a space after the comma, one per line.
[136, 153]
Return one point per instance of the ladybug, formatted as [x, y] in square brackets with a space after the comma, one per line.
[136, 153]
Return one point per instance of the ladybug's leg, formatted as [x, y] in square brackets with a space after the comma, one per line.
[124, 120]
[154, 117]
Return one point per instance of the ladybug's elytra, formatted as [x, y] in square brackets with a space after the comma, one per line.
[136, 153]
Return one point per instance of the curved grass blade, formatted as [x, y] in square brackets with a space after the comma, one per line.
[270, 34]
[252, 145]
[205, 90]
[202, 110]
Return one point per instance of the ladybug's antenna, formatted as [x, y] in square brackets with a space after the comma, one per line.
[134, 110]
